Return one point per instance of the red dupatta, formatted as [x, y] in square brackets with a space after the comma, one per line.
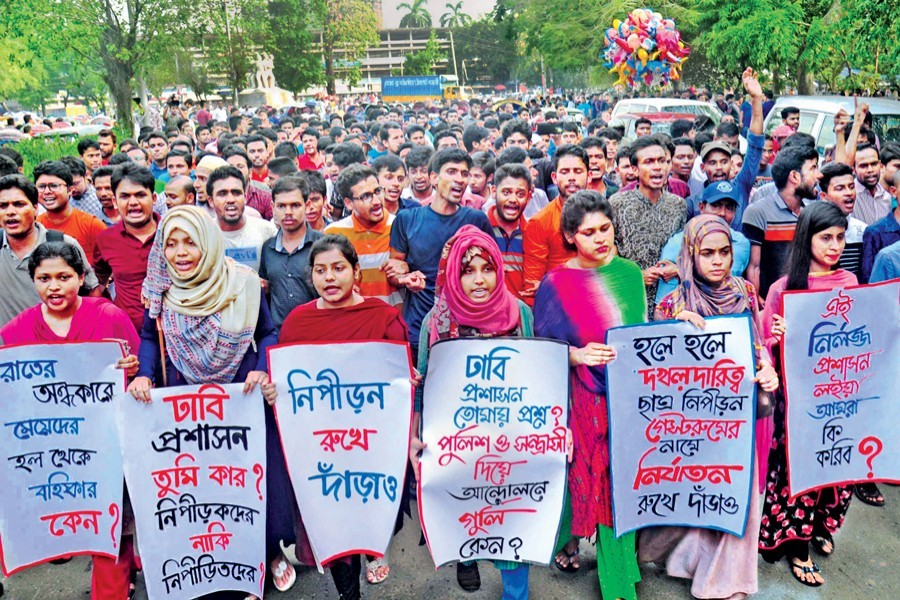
[373, 319]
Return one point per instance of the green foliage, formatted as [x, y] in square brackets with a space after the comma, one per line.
[487, 52]
[350, 25]
[455, 16]
[298, 66]
[36, 150]
[423, 61]
[417, 14]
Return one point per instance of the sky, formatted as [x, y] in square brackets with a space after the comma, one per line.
[437, 8]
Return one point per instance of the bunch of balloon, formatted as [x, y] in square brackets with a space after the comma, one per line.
[644, 48]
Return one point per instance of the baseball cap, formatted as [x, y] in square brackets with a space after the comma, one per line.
[722, 190]
[711, 146]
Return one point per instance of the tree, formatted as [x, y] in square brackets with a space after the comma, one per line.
[423, 61]
[350, 26]
[298, 64]
[455, 16]
[417, 14]
[486, 53]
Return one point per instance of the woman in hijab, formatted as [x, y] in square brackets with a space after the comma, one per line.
[206, 314]
[721, 565]
[472, 300]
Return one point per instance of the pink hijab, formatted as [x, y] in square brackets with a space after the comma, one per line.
[452, 308]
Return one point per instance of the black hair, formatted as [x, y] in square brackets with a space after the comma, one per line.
[447, 156]
[815, 217]
[233, 150]
[572, 127]
[85, 144]
[201, 128]
[683, 141]
[485, 162]
[333, 242]
[291, 183]
[132, 172]
[347, 154]
[20, 182]
[612, 134]
[54, 168]
[315, 181]
[515, 126]
[593, 142]
[889, 151]
[234, 121]
[76, 166]
[283, 166]
[311, 131]
[255, 137]
[336, 132]
[788, 111]
[188, 159]
[727, 129]
[474, 134]
[511, 155]
[222, 173]
[569, 150]
[700, 140]
[642, 121]
[120, 158]
[680, 128]
[579, 205]
[491, 123]
[800, 139]
[13, 154]
[388, 162]
[419, 156]
[788, 160]
[384, 132]
[623, 152]
[442, 134]
[642, 143]
[351, 176]
[156, 134]
[7, 166]
[703, 124]
[49, 250]
[514, 171]
[269, 135]
[287, 150]
[832, 170]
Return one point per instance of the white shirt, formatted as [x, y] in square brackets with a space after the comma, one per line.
[245, 244]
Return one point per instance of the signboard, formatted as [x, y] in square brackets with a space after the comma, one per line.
[194, 461]
[344, 412]
[840, 357]
[682, 406]
[62, 474]
[493, 475]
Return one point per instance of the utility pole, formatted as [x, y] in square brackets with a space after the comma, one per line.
[453, 55]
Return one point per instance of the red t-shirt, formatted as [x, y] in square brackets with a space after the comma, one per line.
[305, 163]
[80, 225]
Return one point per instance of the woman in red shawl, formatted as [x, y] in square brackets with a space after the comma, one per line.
[64, 316]
[340, 314]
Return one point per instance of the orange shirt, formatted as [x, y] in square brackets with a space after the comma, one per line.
[544, 244]
[80, 225]
[373, 247]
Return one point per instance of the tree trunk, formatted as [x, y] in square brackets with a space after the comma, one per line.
[118, 78]
[805, 82]
[330, 85]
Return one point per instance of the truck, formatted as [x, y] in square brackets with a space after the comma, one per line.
[419, 88]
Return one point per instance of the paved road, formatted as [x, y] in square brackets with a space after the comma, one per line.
[865, 567]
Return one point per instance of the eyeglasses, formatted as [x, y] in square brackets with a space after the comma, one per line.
[368, 196]
[53, 187]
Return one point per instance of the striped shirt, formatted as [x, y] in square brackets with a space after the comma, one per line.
[513, 252]
[770, 224]
[373, 246]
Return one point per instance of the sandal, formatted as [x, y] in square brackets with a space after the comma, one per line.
[573, 562]
[869, 494]
[818, 542]
[377, 570]
[468, 577]
[795, 564]
[283, 574]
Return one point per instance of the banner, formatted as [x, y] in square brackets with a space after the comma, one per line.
[682, 409]
[344, 412]
[195, 465]
[62, 474]
[842, 376]
[493, 475]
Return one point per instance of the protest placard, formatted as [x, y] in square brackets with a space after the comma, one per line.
[840, 357]
[493, 475]
[194, 461]
[682, 407]
[62, 473]
[344, 412]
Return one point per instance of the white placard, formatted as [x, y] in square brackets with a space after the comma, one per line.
[195, 461]
[62, 473]
[493, 474]
[344, 412]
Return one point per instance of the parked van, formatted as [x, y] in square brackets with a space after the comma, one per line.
[817, 116]
[667, 105]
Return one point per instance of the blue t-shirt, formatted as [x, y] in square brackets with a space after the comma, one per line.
[420, 234]
[887, 264]
[739, 244]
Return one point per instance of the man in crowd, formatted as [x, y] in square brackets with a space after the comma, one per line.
[368, 227]
[513, 191]
[53, 180]
[178, 163]
[258, 154]
[596, 152]
[258, 196]
[790, 117]
[873, 201]
[123, 249]
[545, 247]
[109, 213]
[420, 186]
[285, 256]
[838, 187]
[158, 147]
[881, 234]
[106, 139]
[82, 195]
[89, 151]
[392, 178]
[643, 127]
[180, 190]
[21, 235]
[342, 156]
[769, 222]
[244, 236]
[391, 136]
[311, 159]
[646, 217]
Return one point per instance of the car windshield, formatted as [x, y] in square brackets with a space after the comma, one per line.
[887, 127]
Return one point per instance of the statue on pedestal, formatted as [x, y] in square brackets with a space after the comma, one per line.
[265, 76]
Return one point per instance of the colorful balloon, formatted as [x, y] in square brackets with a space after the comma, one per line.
[644, 48]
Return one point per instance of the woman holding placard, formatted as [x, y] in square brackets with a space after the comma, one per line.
[208, 322]
[791, 525]
[340, 314]
[576, 303]
[64, 316]
[721, 565]
[472, 300]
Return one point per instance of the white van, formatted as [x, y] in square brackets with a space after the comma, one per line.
[667, 105]
[817, 116]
